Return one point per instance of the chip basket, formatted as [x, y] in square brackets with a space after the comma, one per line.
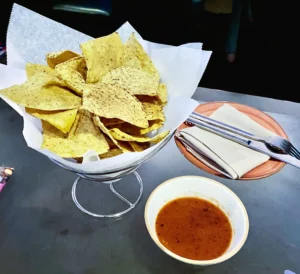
[111, 177]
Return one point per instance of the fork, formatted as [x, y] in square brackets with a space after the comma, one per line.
[274, 143]
[281, 144]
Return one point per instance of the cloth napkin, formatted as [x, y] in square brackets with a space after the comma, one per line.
[225, 156]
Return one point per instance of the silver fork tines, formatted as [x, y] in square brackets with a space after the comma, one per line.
[284, 145]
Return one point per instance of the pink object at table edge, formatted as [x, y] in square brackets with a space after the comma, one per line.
[5, 174]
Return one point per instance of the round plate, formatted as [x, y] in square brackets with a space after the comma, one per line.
[266, 169]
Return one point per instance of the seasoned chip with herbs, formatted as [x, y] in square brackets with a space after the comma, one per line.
[32, 69]
[133, 130]
[122, 136]
[153, 111]
[138, 147]
[71, 76]
[111, 153]
[162, 94]
[135, 56]
[77, 63]
[74, 126]
[39, 92]
[111, 122]
[102, 55]
[62, 120]
[134, 80]
[121, 145]
[111, 101]
[58, 57]
[86, 137]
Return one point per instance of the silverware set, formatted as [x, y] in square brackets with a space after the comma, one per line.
[274, 146]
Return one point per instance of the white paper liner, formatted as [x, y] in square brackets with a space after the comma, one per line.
[31, 36]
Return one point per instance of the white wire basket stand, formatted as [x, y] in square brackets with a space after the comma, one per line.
[110, 178]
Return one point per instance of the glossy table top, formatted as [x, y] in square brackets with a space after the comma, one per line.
[42, 232]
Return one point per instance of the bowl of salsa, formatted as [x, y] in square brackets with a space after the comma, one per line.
[196, 220]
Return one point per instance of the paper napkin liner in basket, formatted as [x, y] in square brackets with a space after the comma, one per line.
[225, 156]
[31, 36]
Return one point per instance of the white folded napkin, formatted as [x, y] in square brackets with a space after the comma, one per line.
[225, 156]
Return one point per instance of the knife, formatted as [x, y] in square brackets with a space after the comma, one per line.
[252, 144]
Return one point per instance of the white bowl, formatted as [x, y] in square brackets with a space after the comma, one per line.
[218, 194]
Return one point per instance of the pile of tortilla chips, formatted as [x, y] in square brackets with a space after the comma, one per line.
[107, 100]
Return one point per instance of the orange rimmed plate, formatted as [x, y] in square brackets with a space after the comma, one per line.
[266, 169]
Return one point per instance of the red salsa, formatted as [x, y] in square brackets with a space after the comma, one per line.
[194, 228]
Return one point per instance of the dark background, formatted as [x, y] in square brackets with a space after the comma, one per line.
[259, 68]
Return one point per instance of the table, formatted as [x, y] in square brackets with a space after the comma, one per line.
[42, 232]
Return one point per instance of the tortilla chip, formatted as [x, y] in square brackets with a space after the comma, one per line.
[32, 69]
[111, 101]
[121, 145]
[77, 63]
[124, 146]
[134, 80]
[58, 57]
[111, 153]
[74, 126]
[162, 94]
[153, 111]
[81, 67]
[63, 120]
[153, 125]
[102, 55]
[111, 144]
[122, 136]
[79, 160]
[138, 147]
[145, 98]
[130, 58]
[133, 130]
[111, 122]
[135, 56]
[87, 137]
[72, 77]
[152, 106]
[37, 69]
[39, 93]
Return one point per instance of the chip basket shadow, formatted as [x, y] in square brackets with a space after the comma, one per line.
[110, 177]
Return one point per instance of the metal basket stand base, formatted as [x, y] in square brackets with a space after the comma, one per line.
[114, 215]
